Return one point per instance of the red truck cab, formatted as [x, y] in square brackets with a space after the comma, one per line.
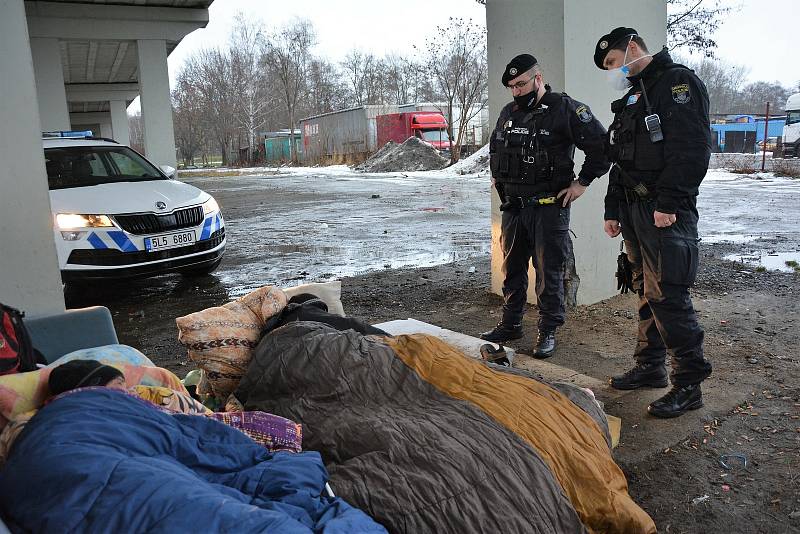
[430, 126]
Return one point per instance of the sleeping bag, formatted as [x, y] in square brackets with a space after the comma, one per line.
[100, 460]
[426, 439]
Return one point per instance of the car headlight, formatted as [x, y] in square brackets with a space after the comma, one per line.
[67, 221]
[210, 206]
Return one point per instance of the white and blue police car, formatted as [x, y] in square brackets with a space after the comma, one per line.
[117, 215]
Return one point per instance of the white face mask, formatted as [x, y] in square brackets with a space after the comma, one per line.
[618, 78]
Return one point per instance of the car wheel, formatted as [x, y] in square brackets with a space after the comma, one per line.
[202, 270]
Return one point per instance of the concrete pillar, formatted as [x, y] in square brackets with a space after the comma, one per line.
[106, 128]
[119, 121]
[562, 34]
[50, 91]
[159, 137]
[30, 277]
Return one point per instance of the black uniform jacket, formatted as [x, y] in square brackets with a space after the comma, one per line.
[680, 99]
[561, 124]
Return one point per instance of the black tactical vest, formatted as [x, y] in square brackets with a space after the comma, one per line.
[525, 161]
[629, 143]
[521, 159]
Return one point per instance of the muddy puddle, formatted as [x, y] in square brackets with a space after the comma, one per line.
[772, 261]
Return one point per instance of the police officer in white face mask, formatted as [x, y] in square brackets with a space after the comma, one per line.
[660, 145]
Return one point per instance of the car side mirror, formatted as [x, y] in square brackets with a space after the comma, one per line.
[171, 172]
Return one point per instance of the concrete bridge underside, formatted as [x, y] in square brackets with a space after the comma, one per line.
[75, 65]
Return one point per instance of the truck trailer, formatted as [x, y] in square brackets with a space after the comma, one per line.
[791, 130]
[430, 126]
[345, 136]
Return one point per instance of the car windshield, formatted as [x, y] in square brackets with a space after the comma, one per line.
[434, 135]
[792, 117]
[81, 166]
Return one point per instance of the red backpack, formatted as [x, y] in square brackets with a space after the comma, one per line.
[16, 350]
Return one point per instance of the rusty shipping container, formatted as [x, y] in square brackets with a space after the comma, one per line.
[345, 136]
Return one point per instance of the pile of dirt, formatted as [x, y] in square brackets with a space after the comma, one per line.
[413, 154]
[477, 163]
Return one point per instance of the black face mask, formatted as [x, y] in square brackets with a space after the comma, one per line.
[527, 101]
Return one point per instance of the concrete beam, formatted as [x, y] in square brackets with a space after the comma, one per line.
[53, 110]
[122, 49]
[91, 117]
[562, 35]
[110, 22]
[159, 136]
[30, 277]
[101, 92]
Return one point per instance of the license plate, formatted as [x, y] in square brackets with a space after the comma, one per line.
[165, 241]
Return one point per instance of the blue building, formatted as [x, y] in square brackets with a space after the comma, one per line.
[743, 133]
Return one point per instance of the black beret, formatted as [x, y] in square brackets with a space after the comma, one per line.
[608, 41]
[518, 65]
[81, 373]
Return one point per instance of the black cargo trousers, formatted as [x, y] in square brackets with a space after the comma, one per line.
[541, 234]
[664, 263]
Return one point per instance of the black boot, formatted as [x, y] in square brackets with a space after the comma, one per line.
[503, 332]
[545, 344]
[678, 401]
[648, 375]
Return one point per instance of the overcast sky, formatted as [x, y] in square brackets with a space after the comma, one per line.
[760, 37]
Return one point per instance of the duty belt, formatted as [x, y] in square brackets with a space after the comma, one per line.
[525, 202]
[634, 190]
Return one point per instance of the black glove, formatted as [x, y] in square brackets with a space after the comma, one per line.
[504, 204]
[624, 272]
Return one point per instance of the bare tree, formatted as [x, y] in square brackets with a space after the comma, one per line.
[692, 23]
[189, 120]
[723, 81]
[136, 129]
[327, 90]
[249, 84]
[363, 72]
[406, 80]
[728, 94]
[456, 62]
[287, 54]
[759, 93]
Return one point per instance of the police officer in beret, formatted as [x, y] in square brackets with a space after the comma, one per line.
[531, 152]
[660, 145]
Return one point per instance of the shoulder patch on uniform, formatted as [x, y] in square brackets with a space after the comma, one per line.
[681, 94]
[583, 113]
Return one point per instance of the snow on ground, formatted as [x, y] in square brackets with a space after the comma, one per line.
[327, 222]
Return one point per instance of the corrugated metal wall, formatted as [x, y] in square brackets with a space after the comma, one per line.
[349, 134]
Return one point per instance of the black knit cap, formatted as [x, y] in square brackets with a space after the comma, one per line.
[608, 41]
[518, 65]
[80, 374]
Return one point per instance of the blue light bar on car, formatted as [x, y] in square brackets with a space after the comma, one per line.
[76, 133]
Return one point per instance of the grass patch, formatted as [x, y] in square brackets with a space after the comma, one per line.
[786, 167]
[761, 269]
[792, 263]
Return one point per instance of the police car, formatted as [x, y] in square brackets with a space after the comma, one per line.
[117, 215]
